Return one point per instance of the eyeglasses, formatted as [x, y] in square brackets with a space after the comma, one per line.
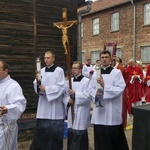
[74, 68]
[106, 57]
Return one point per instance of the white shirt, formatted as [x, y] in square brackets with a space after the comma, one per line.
[86, 70]
[111, 113]
[81, 106]
[50, 105]
[11, 96]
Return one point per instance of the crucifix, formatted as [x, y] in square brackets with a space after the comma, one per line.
[64, 26]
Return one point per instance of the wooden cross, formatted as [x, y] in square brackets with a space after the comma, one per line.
[65, 41]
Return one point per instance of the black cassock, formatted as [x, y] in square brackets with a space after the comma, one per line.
[48, 135]
[77, 140]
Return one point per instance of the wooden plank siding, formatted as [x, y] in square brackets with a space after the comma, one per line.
[26, 31]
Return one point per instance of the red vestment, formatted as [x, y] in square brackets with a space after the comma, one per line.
[124, 103]
[147, 89]
[134, 88]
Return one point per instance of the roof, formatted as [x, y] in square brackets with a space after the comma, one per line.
[104, 4]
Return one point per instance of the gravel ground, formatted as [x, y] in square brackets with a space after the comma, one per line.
[26, 144]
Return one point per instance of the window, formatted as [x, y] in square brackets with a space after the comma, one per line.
[115, 21]
[145, 54]
[94, 56]
[96, 26]
[83, 58]
[119, 53]
[81, 29]
[147, 14]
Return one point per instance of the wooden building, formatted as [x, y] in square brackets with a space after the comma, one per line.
[26, 31]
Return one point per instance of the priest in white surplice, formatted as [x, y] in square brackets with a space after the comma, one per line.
[50, 112]
[107, 119]
[87, 70]
[12, 105]
[77, 132]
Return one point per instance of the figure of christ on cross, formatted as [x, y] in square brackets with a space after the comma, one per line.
[64, 27]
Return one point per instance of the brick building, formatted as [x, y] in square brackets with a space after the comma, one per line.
[125, 22]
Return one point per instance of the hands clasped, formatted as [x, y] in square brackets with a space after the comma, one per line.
[42, 88]
[3, 110]
[71, 92]
[72, 96]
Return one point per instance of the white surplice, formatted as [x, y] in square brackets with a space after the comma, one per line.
[12, 98]
[86, 70]
[111, 112]
[50, 105]
[81, 105]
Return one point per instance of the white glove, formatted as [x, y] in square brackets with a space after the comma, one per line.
[139, 79]
[148, 83]
[132, 80]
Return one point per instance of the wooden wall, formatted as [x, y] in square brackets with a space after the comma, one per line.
[26, 31]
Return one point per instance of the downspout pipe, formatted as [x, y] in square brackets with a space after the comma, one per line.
[134, 30]
[79, 43]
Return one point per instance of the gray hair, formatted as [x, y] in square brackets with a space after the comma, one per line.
[131, 60]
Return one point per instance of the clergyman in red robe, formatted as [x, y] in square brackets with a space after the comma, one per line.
[134, 85]
[147, 88]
